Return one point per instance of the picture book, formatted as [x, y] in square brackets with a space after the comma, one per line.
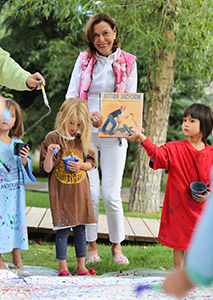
[121, 112]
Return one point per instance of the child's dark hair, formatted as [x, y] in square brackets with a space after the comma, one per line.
[18, 128]
[204, 114]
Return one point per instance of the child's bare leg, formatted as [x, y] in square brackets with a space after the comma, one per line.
[2, 266]
[17, 258]
[81, 264]
[178, 258]
[62, 264]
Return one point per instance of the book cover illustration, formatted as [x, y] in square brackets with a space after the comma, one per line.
[121, 112]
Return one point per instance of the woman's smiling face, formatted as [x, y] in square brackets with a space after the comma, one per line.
[103, 38]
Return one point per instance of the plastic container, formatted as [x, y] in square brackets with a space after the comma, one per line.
[69, 158]
[198, 188]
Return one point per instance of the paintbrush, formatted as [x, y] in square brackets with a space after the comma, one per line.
[6, 167]
[46, 103]
[44, 96]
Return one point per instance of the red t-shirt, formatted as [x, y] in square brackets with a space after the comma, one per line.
[180, 212]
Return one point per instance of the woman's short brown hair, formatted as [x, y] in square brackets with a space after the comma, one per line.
[204, 114]
[88, 31]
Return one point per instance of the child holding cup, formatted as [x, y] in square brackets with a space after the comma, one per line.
[198, 269]
[186, 161]
[69, 191]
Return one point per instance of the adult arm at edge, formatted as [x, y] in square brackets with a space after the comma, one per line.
[13, 76]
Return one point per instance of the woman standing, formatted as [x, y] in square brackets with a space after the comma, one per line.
[104, 67]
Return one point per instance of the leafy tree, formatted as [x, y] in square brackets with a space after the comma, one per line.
[37, 38]
[183, 47]
[171, 39]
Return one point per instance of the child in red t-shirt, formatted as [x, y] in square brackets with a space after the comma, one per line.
[186, 161]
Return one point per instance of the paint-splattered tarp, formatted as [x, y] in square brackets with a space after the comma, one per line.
[75, 288]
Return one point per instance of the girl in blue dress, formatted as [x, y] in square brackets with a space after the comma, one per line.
[15, 171]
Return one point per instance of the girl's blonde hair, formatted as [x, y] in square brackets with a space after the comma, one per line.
[75, 108]
[18, 129]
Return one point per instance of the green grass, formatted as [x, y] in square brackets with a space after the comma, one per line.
[42, 179]
[37, 199]
[156, 257]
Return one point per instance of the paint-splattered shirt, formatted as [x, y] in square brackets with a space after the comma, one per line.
[13, 227]
[180, 212]
[69, 192]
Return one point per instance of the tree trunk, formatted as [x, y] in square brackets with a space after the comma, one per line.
[145, 187]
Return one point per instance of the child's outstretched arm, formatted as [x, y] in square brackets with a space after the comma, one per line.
[137, 136]
[48, 161]
[159, 157]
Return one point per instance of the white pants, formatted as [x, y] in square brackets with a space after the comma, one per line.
[112, 162]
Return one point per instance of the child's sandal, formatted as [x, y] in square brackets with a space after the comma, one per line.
[64, 273]
[13, 266]
[91, 272]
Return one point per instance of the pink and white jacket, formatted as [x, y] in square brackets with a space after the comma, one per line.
[122, 68]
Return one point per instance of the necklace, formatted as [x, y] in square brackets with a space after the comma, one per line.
[70, 138]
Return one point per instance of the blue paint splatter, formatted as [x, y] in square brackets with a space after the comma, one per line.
[7, 114]
[142, 287]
